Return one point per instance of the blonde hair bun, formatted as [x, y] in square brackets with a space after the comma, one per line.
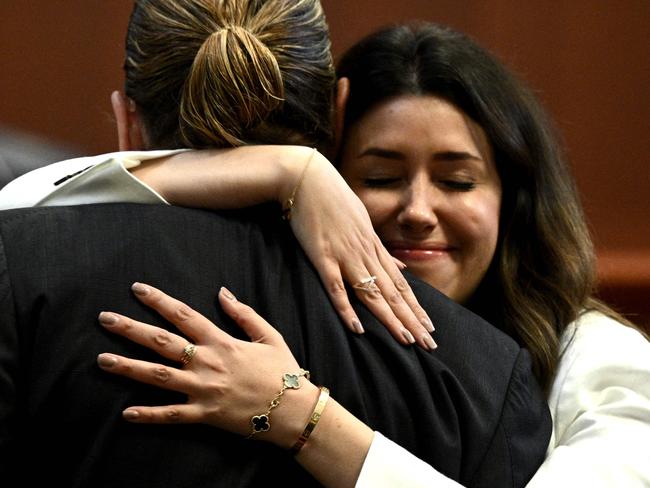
[233, 85]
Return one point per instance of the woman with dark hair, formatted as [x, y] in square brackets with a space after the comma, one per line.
[441, 141]
[464, 182]
[542, 274]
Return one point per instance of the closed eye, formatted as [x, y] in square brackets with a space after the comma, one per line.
[459, 185]
[380, 182]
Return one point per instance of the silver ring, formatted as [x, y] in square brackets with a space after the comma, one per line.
[188, 353]
[366, 284]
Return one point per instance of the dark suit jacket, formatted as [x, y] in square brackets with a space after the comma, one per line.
[471, 408]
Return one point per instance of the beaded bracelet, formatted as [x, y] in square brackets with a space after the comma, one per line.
[262, 422]
[313, 420]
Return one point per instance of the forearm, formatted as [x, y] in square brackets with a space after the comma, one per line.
[335, 452]
[344, 452]
[226, 178]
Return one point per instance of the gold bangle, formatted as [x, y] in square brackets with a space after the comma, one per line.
[313, 420]
[262, 422]
[287, 208]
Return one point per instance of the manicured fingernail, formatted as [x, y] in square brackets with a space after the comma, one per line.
[226, 293]
[356, 325]
[108, 319]
[140, 289]
[408, 336]
[129, 414]
[106, 360]
[430, 343]
[426, 321]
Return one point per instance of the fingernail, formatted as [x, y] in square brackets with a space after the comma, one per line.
[356, 325]
[108, 319]
[428, 340]
[226, 293]
[130, 414]
[426, 321]
[408, 336]
[140, 289]
[106, 360]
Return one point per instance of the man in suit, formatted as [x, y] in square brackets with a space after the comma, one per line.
[472, 408]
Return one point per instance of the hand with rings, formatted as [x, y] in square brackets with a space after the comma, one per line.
[334, 228]
[227, 381]
[366, 284]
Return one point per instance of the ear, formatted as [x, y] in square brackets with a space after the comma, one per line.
[129, 127]
[342, 94]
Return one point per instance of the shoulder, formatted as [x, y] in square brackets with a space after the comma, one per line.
[600, 403]
[603, 379]
[597, 342]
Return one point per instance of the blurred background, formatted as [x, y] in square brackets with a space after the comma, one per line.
[587, 60]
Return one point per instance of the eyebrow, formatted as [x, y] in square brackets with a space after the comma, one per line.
[439, 156]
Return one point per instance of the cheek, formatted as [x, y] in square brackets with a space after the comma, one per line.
[380, 205]
[480, 223]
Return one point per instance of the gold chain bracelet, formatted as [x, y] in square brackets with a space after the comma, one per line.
[287, 208]
[262, 422]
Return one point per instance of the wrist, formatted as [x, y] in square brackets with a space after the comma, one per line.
[295, 415]
[292, 162]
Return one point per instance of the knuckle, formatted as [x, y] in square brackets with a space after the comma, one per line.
[172, 415]
[394, 298]
[125, 367]
[162, 338]
[183, 313]
[154, 296]
[161, 375]
[215, 389]
[373, 294]
[127, 324]
[244, 315]
[401, 284]
[336, 287]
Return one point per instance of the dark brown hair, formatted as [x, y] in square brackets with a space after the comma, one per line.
[542, 275]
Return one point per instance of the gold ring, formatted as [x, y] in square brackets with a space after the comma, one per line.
[188, 353]
[366, 284]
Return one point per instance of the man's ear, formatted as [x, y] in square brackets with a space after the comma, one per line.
[130, 131]
[342, 94]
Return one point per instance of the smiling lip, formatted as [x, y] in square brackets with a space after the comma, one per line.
[416, 252]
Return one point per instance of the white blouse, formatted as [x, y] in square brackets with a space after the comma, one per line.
[599, 399]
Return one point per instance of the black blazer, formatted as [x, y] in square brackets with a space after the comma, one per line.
[471, 408]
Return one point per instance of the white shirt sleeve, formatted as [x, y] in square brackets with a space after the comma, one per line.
[600, 403]
[389, 465]
[98, 179]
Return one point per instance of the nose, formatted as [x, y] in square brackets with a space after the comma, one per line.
[417, 213]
